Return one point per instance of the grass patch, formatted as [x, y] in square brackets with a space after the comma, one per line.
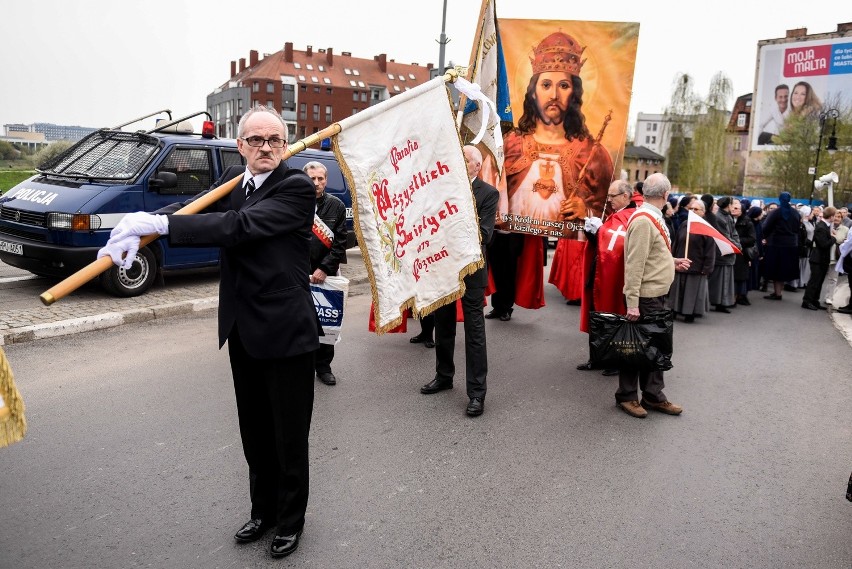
[10, 178]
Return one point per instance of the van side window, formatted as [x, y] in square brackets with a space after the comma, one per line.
[231, 158]
[192, 167]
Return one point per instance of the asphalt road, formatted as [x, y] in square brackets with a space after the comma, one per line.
[133, 456]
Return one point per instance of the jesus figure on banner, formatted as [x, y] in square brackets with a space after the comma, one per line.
[557, 173]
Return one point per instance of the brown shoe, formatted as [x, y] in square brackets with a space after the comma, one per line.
[666, 407]
[633, 409]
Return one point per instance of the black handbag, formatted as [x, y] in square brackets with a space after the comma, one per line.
[646, 344]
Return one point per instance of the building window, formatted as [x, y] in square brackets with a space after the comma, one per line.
[402, 77]
[301, 78]
[738, 144]
[255, 87]
[328, 90]
[741, 120]
[316, 112]
[303, 88]
[363, 96]
[327, 81]
[355, 96]
[653, 140]
[352, 83]
[316, 89]
[314, 78]
[412, 77]
[309, 67]
[303, 112]
[361, 84]
[297, 65]
[328, 113]
[637, 174]
[647, 140]
[347, 71]
[320, 67]
[356, 72]
[390, 76]
[302, 132]
[655, 127]
[354, 111]
[648, 127]
[270, 87]
[396, 88]
[270, 105]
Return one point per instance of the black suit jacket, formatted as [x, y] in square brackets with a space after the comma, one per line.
[486, 197]
[823, 242]
[265, 260]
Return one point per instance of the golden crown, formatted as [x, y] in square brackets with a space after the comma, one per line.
[558, 52]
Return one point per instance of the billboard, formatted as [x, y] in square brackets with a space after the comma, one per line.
[803, 78]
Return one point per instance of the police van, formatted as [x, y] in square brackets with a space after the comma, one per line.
[54, 223]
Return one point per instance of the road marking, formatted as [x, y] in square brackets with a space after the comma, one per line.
[4, 280]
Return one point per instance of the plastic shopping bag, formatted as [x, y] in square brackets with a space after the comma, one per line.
[646, 344]
[330, 301]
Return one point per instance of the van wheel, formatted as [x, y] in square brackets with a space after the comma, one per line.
[133, 281]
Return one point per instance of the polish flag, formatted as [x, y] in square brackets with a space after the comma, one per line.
[696, 224]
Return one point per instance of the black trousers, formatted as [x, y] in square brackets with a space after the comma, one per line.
[275, 401]
[650, 382]
[503, 253]
[323, 357]
[818, 272]
[427, 326]
[476, 357]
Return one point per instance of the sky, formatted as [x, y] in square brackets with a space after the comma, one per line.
[99, 63]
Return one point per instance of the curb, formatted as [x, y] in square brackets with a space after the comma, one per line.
[105, 320]
[112, 319]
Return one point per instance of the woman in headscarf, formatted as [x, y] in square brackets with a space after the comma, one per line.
[781, 237]
[742, 263]
[709, 214]
[721, 284]
[682, 211]
[688, 293]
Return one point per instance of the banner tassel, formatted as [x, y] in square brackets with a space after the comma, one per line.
[13, 425]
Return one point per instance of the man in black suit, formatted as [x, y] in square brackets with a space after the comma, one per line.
[819, 259]
[266, 313]
[476, 358]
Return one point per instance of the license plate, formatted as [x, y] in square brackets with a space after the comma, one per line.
[14, 248]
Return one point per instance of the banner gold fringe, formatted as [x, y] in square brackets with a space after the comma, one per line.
[13, 425]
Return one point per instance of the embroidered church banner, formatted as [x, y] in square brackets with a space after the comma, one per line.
[413, 206]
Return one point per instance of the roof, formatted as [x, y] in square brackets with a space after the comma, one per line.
[642, 153]
[334, 70]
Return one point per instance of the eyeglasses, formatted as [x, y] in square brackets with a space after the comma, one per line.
[615, 195]
[258, 141]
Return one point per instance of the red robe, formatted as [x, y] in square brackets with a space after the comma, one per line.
[607, 291]
[566, 271]
[529, 281]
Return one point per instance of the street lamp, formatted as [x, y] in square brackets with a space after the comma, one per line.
[832, 142]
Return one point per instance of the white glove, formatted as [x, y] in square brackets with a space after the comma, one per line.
[140, 224]
[592, 224]
[115, 247]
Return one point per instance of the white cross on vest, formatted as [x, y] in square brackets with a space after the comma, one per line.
[615, 234]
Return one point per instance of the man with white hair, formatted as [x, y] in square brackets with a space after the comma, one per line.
[649, 270]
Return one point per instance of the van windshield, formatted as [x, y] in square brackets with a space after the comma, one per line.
[105, 155]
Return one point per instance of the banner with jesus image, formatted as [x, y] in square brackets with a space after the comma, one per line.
[414, 211]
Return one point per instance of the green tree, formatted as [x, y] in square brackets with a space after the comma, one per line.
[7, 151]
[696, 158]
[50, 152]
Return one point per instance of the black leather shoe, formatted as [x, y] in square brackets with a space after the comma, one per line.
[585, 367]
[428, 344]
[284, 545]
[609, 372]
[689, 318]
[327, 377]
[251, 531]
[722, 309]
[475, 407]
[772, 296]
[435, 386]
[573, 302]
[790, 288]
[809, 306]
[506, 316]
[493, 314]
[845, 309]
[418, 339]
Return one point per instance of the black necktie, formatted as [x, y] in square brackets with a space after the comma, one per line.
[249, 188]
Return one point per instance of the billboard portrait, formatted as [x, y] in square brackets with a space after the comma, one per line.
[799, 78]
[569, 84]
